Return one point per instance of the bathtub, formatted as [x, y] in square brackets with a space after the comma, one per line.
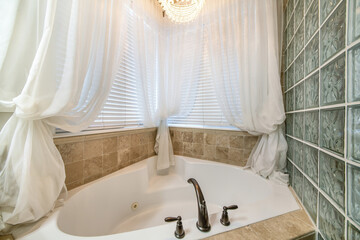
[133, 202]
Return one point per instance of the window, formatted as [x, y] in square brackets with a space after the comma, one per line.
[122, 108]
[206, 110]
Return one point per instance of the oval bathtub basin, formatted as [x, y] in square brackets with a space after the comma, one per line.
[133, 202]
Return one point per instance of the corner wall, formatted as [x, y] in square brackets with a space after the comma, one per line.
[321, 65]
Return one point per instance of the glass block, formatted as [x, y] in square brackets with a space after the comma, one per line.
[332, 129]
[353, 76]
[353, 151]
[289, 170]
[299, 67]
[290, 76]
[289, 100]
[353, 232]
[311, 162]
[312, 127]
[312, 55]
[290, 7]
[312, 91]
[332, 178]
[299, 97]
[299, 13]
[298, 183]
[333, 82]
[310, 199]
[331, 222]
[312, 20]
[299, 125]
[290, 29]
[299, 39]
[298, 154]
[291, 53]
[353, 199]
[354, 20]
[307, 4]
[326, 7]
[333, 34]
[289, 124]
[291, 147]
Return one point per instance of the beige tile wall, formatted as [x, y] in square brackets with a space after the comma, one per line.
[232, 147]
[90, 157]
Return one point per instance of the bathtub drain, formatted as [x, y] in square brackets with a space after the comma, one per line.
[134, 205]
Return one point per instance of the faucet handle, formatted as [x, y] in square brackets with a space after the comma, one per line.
[179, 232]
[225, 217]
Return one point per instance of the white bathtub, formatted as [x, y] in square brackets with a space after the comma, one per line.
[103, 209]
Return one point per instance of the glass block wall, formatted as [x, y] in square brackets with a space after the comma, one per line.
[321, 69]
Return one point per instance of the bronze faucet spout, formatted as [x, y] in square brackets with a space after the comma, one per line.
[203, 218]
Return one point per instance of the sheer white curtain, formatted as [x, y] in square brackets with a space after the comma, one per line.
[167, 56]
[245, 58]
[56, 72]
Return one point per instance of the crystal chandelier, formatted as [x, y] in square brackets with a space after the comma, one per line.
[182, 10]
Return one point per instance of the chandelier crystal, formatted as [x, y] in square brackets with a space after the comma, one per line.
[181, 11]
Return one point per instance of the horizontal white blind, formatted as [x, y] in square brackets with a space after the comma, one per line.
[122, 108]
[206, 110]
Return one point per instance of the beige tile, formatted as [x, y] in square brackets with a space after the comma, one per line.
[249, 142]
[210, 139]
[92, 166]
[222, 153]
[198, 149]
[246, 153]
[143, 138]
[123, 155]
[134, 153]
[222, 140]
[110, 160]
[108, 171]
[71, 152]
[74, 171]
[188, 148]
[178, 148]
[236, 155]
[93, 148]
[123, 158]
[75, 184]
[110, 145]
[143, 151]
[135, 140]
[92, 178]
[151, 151]
[237, 142]
[177, 136]
[187, 137]
[209, 152]
[124, 141]
[198, 137]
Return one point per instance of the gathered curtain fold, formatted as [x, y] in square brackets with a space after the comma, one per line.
[61, 78]
[243, 41]
[167, 57]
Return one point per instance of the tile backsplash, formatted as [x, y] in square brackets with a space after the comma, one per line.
[321, 69]
[232, 147]
[92, 156]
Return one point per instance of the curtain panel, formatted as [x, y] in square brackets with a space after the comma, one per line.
[57, 73]
[244, 46]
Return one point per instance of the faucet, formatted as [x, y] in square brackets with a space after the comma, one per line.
[203, 218]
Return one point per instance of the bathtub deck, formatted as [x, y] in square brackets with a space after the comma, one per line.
[293, 225]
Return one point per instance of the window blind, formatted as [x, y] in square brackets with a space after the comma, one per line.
[122, 108]
[206, 110]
